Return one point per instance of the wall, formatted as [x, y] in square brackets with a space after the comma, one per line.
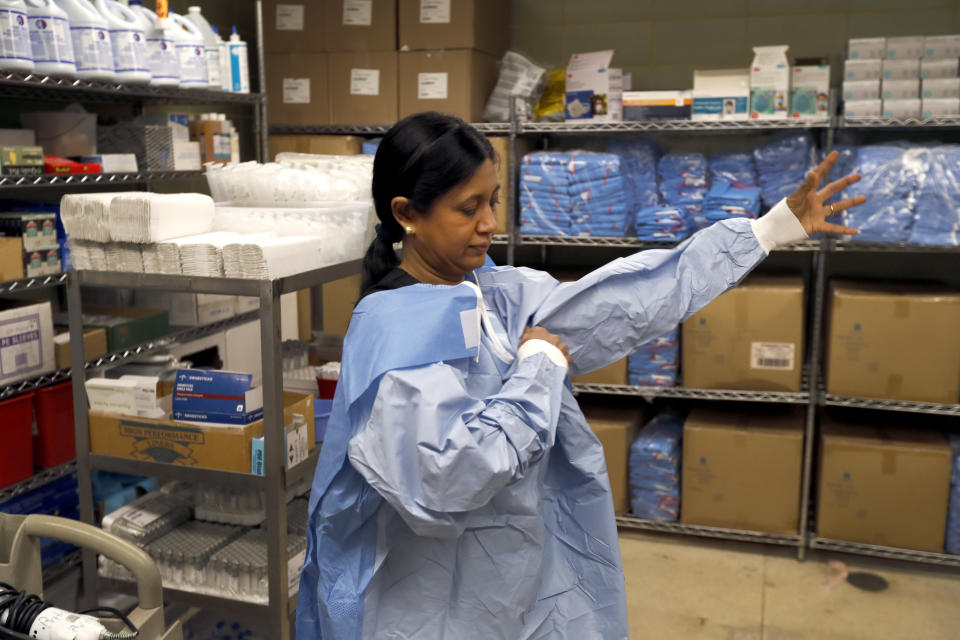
[663, 41]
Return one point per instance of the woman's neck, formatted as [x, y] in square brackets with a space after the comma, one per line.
[414, 264]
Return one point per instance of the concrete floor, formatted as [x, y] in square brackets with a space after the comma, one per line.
[688, 588]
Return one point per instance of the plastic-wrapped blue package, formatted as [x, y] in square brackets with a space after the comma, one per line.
[725, 200]
[845, 165]
[782, 165]
[737, 168]
[889, 182]
[952, 539]
[544, 198]
[655, 363]
[683, 183]
[662, 224]
[638, 168]
[655, 458]
[937, 206]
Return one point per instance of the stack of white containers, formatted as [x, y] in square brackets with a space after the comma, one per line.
[903, 77]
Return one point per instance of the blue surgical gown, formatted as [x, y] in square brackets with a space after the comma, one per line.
[460, 492]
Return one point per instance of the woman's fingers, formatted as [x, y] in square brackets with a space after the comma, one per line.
[828, 227]
[838, 185]
[847, 203]
[824, 167]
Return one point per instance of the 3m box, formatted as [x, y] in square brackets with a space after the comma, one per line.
[894, 341]
[722, 94]
[297, 88]
[294, 27]
[867, 48]
[861, 108]
[742, 470]
[900, 89]
[360, 25]
[862, 70]
[221, 397]
[26, 340]
[452, 81]
[941, 88]
[883, 485]
[38, 230]
[594, 91]
[861, 90]
[318, 145]
[932, 107]
[501, 145]
[94, 345]
[616, 429]
[454, 24]
[206, 446]
[615, 373]
[901, 69]
[905, 47]
[937, 68]
[770, 83]
[363, 88]
[125, 326]
[942, 47]
[657, 105]
[751, 337]
[810, 92]
[902, 108]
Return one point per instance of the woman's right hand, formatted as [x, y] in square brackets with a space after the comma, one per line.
[539, 333]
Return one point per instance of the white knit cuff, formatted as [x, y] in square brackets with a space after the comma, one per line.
[535, 346]
[778, 227]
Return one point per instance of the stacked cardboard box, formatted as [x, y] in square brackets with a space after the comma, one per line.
[28, 245]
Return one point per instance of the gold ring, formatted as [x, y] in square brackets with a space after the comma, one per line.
[832, 212]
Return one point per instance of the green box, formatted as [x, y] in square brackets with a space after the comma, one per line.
[125, 327]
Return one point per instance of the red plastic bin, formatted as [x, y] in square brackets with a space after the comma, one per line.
[16, 439]
[54, 442]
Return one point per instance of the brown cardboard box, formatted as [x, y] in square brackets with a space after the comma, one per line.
[883, 485]
[454, 24]
[616, 429]
[94, 346]
[363, 88]
[297, 88]
[457, 82]
[317, 145]
[749, 338]
[214, 144]
[339, 299]
[11, 258]
[742, 470]
[615, 373]
[294, 27]
[894, 341]
[353, 25]
[501, 145]
[208, 447]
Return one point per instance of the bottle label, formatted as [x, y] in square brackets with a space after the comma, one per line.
[14, 36]
[239, 69]
[193, 64]
[163, 60]
[50, 39]
[129, 50]
[92, 48]
[213, 67]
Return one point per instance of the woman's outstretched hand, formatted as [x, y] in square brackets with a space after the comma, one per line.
[807, 203]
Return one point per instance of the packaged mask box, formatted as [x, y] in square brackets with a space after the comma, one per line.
[932, 107]
[866, 48]
[862, 69]
[862, 108]
[940, 68]
[810, 92]
[657, 105]
[941, 88]
[38, 230]
[942, 47]
[861, 89]
[901, 69]
[902, 108]
[896, 89]
[770, 83]
[594, 91]
[43, 262]
[722, 94]
[905, 47]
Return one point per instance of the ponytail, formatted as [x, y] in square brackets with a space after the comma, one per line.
[380, 258]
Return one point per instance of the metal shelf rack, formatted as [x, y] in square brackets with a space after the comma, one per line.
[92, 179]
[900, 247]
[870, 122]
[37, 480]
[32, 284]
[276, 479]
[888, 553]
[726, 395]
[364, 129]
[632, 523]
[691, 126]
[883, 404]
[627, 242]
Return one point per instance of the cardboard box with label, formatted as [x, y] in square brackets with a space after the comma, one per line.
[594, 91]
[810, 92]
[26, 340]
[21, 160]
[94, 345]
[501, 145]
[125, 326]
[452, 81]
[361, 25]
[616, 428]
[291, 26]
[37, 230]
[722, 94]
[11, 258]
[894, 341]
[190, 309]
[186, 155]
[885, 485]
[751, 337]
[297, 90]
[181, 443]
[615, 373]
[454, 24]
[770, 83]
[214, 143]
[317, 145]
[743, 470]
[871, 48]
[363, 88]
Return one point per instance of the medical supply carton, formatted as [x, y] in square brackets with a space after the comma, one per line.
[452, 81]
[899, 89]
[941, 88]
[893, 341]
[363, 88]
[37, 230]
[810, 92]
[454, 24]
[905, 47]
[94, 345]
[616, 427]
[944, 47]
[360, 25]
[885, 484]
[931, 107]
[862, 108]
[770, 83]
[125, 326]
[901, 69]
[902, 108]
[861, 89]
[751, 337]
[26, 340]
[937, 68]
[862, 69]
[615, 373]
[294, 27]
[722, 94]
[501, 145]
[657, 105]
[11, 258]
[221, 397]
[743, 470]
[296, 447]
[318, 145]
[870, 48]
[21, 160]
[190, 309]
[297, 88]
[594, 91]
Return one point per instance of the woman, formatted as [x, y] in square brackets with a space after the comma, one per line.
[460, 492]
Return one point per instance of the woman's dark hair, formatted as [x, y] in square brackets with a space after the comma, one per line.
[420, 158]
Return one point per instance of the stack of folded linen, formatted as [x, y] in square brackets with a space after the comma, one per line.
[655, 458]
[154, 217]
[683, 182]
[782, 165]
[264, 258]
[202, 255]
[736, 168]
[85, 215]
[727, 200]
[545, 205]
[123, 256]
[638, 168]
[87, 255]
[937, 210]
[662, 223]
[655, 363]
[597, 195]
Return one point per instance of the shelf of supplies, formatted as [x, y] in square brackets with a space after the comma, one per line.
[55, 572]
[898, 123]
[31, 384]
[893, 405]
[37, 480]
[889, 553]
[900, 247]
[365, 129]
[500, 238]
[632, 523]
[91, 179]
[632, 243]
[787, 397]
[193, 599]
[704, 126]
[31, 86]
[32, 284]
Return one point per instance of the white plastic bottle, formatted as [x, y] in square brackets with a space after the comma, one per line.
[161, 48]
[192, 54]
[210, 45]
[50, 40]
[128, 40]
[90, 34]
[239, 65]
[226, 77]
[15, 54]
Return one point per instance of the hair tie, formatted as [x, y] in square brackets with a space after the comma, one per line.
[382, 233]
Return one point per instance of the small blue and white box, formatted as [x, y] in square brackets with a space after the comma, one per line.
[217, 397]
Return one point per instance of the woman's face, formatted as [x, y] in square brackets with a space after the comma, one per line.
[452, 238]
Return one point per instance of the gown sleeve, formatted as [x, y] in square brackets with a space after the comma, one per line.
[434, 452]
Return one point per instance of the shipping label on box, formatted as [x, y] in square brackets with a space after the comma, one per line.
[941, 88]
[435, 11]
[770, 83]
[296, 90]
[358, 13]
[592, 91]
[365, 82]
[296, 448]
[222, 397]
[862, 69]
[867, 48]
[289, 17]
[898, 89]
[810, 92]
[721, 95]
[905, 47]
[861, 89]
[431, 86]
[862, 108]
[901, 69]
